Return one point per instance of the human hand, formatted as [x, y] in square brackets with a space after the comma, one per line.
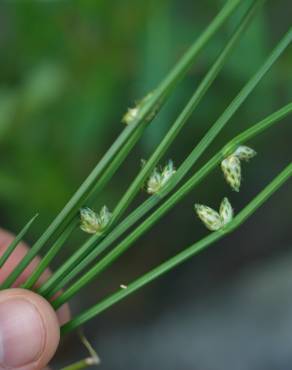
[29, 327]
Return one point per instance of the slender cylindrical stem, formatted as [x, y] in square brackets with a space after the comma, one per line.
[45, 261]
[229, 111]
[209, 136]
[147, 112]
[10, 249]
[55, 248]
[183, 117]
[148, 205]
[65, 271]
[163, 209]
[182, 256]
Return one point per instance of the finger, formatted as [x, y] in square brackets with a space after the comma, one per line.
[17, 255]
[20, 251]
[29, 330]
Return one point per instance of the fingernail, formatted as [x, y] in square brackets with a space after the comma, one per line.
[21, 333]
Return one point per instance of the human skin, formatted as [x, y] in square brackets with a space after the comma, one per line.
[29, 327]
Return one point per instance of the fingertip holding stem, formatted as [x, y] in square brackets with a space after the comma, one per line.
[29, 330]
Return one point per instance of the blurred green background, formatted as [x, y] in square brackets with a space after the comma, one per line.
[68, 72]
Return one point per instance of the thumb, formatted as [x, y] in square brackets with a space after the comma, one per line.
[29, 330]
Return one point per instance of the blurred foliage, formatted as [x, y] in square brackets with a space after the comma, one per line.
[68, 72]
[70, 69]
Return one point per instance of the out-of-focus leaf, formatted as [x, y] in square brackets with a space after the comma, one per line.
[8, 106]
[42, 86]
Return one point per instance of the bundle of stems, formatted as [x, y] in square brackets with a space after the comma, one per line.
[84, 265]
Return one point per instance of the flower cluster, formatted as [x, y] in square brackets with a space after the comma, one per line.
[133, 113]
[160, 177]
[212, 219]
[231, 166]
[130, 115]
[92, 222]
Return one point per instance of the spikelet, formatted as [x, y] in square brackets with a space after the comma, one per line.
[133, 113]
[231, 168]
[130, 115]
[245, 153]
[226, 211]
[92, 222]
[210, 218]
[160, 178]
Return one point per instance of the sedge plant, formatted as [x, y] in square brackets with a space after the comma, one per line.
[111, 233]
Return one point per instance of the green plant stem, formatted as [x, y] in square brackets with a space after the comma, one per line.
[228, 113]
[147, 112]
[80, 259]
[165, 207]
[182, 256]
[65, 275]
[161, 149]
[87, 362]
[186, 61]
[45, 261]
[185, 114]
[186, 165]
[121, 145]
[82, 364]
[16, 241]
[55, 248]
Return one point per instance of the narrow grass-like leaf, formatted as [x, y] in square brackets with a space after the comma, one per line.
[87, 362]
[53, 251]
[189, 252]
[162, 148]
[146, 206]
[78, 199]
[16, 241]
[147, 112]
[230, 111]
[45, 261]
[199, 149]
[185, 114]
[82, 364]
[186, 61]
[163, 209]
